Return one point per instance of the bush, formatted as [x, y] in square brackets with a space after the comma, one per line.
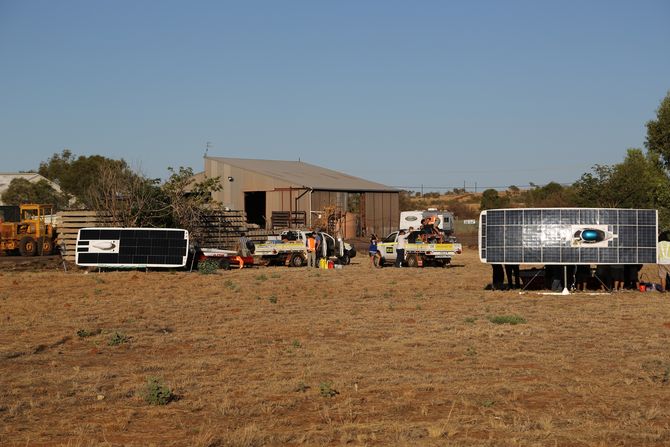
[507, 319]
[83, 333]
[326, 389]
[155, 393]
[208, 266]
[118, 339]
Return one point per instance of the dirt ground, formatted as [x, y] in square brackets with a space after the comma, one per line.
[285, 356]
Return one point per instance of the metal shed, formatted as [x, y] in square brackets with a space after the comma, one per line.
[304, 194]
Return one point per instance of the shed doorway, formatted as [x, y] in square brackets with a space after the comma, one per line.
[254, 205]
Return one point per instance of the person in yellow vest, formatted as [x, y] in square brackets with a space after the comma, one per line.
[311, 250]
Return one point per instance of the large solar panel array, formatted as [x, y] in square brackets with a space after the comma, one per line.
[132, 247]
[568, 236]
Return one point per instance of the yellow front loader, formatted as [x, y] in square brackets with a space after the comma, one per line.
[32, 234]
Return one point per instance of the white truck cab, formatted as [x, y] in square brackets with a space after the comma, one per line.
[290, 248]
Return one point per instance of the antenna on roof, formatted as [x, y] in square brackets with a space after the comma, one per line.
[208, 144]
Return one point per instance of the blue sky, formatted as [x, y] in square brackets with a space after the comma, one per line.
[404, 93]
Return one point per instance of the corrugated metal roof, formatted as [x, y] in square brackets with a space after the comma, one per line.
[299, 173]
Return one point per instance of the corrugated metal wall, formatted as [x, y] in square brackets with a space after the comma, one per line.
[323, 199]
[382, 212]
[286, 201]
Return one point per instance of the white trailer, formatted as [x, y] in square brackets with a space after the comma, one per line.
[444, 220]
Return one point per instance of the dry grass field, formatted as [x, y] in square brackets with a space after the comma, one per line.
[283, 356]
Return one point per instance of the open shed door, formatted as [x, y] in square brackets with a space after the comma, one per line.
[254, 206]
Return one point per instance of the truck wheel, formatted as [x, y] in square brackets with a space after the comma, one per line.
[27, 246]
[45, 246]
[446, 263]
[412, 261]
[297, 261]
[345, 260]
[378, 261]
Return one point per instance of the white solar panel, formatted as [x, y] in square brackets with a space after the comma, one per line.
[568, 236]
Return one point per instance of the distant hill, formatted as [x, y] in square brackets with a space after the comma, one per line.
[463, 205]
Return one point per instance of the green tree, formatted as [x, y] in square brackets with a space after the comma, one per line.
[77, 175]
[491, 200]
[592, 189]
[550, 195]
[658, 132]
[21, 190]
[638, 182]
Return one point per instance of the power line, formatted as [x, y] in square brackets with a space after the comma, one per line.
[475, 186]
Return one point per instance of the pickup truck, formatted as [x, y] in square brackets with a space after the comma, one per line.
[417, 253]
[290, 248]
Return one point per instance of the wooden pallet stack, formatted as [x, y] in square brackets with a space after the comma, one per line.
[260, 235]
[288, 219]
[70, 222]
[220, 229]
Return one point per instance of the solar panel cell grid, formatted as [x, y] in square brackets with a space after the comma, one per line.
[568, 235]
[130, 247]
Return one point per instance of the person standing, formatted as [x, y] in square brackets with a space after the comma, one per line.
[582, 275]
[372, 249]
[663, 259]
[311, 250]
[513, 273]
[243, 245]
[618, 278]
[319, 241]
[400, 248]
[498, 277]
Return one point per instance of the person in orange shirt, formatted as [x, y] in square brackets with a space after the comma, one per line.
[311, 250]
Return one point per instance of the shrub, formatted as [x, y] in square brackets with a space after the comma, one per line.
[507, 319]
[83, 333]
[117, 339]
[155, 393]
[326, 389]
[208, 267]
